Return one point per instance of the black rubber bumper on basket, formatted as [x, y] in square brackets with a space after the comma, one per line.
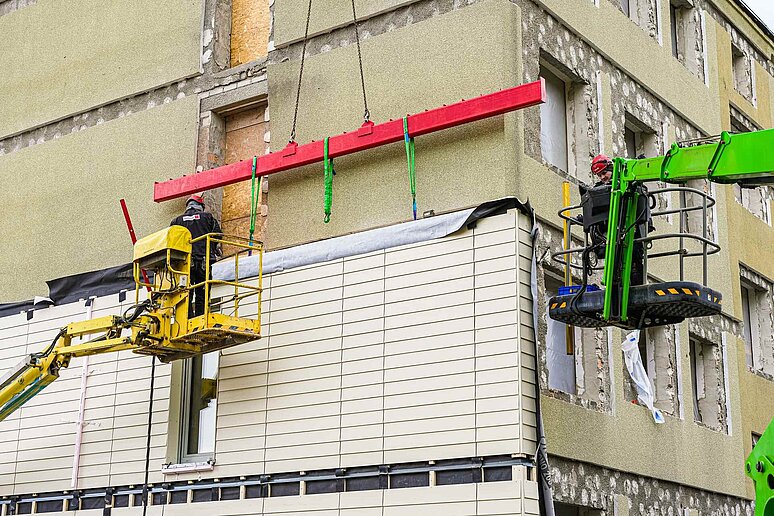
[649, 305]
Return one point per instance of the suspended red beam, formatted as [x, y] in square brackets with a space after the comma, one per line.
[368, 136]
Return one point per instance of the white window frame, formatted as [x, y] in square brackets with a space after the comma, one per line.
[185, 415]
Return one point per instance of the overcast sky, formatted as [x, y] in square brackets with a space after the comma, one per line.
[764, 9]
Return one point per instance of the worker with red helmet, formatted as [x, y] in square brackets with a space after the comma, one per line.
[602, 168]
[198, 222]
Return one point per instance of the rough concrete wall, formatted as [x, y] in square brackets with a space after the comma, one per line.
[624, 494]
[247, 135]
[250, 28]
[9, 6]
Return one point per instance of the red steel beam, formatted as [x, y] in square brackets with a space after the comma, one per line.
[368, 136]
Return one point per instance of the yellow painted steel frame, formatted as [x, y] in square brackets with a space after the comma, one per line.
[569, 332]
[210, 319]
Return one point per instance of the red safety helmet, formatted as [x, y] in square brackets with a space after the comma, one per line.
[196, 198]
[600, 163]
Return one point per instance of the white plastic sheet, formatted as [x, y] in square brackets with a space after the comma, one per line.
[631, 351]
[348, 245]
[560, 364]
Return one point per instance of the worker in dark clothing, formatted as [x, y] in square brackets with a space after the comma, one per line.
[198, 222]
[596, 202]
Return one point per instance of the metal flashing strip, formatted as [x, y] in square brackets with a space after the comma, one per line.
[105, 498]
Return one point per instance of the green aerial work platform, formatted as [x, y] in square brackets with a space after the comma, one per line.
[760, 467]
[729, 158]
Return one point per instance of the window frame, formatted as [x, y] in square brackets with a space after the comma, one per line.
[184, 457]
[750, 337]
[566, 91]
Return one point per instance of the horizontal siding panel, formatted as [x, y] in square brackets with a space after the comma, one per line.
[429, 277]
[417, 291]
[407, 354]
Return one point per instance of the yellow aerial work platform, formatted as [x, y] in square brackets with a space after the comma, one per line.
[161, 325]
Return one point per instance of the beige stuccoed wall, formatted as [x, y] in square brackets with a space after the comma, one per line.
[749, 239]
[627, 439]
[91, 52]
[650, 64]
[447, 59]
[67, 191]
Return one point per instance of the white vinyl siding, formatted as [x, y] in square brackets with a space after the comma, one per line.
[416, 353]
[42, 433]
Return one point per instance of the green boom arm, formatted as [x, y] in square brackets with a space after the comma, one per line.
[746, 158]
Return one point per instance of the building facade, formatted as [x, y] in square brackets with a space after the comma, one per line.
[95, 111]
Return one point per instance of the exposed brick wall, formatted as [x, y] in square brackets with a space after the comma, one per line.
[246, 136]
[250, 27]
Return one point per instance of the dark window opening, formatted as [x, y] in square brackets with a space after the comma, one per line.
[363, 484]
[404, 480]
[204, 495]
[285, 489]
[121, 501]
[458, 476]
[498, 474]
[50, 506]
[230, 493]
[178, 497]
[254, 491]
[93, 502]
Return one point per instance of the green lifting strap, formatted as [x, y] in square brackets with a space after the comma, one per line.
[412, 170]
[255, 198]
[329, 173]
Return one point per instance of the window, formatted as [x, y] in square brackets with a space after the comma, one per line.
[707, 384]
[561, 365]
[631, 143]
[566, 119]
[673, 29]
[642, 13]
[758, 329]
[742, 66]
[747, 323]
[553, 120]
[583, 373]
[658, 352]
[755, 200]
[625, 7]
[639, 139]
[200, 387]
[687, 37]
